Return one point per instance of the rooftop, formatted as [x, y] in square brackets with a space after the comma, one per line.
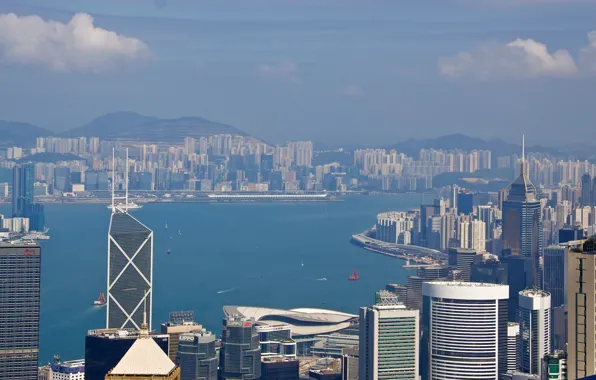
[534, 293]
[144, 357]
[462, 284]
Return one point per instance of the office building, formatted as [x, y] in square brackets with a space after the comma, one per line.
[23, 192]
[581, 316]
[400, 291]
[519, 277]
[465, 203]
[464, 330]
[20, 272]
[559, 326]
[534, 319]
[104, 348]
[280, 368]
[567, 234]
[70, 370]
[554, 366]
[555, 274]
[586, 196]
[414, 288]
[488, 268]
[350, 363]
[522, 223]
[144, 360]
[513, 340]
[462, 259]
[174, 330]
[240, 353]
[276, 340]
[389, 341]
[130, 274]
[196, 356]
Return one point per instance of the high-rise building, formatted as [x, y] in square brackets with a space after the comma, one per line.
[23, 192]
[487, 268]
[581, 316]
[567, 234]
[130, 275]
[522, 223]
[20, 270]
[144, 360]
[555, 274]
[280, 368]
[350, 365]
[389, 341]
[559, 327]
[70, 370]
[534, 319]
[240, 353]
[586, 197]
[196, 356]
[465, 203]
[554, 366]
[462, 259]
[174, 328]
[513, 346]
[464, 330]
[401, 291]
[519, 277]
[104, 348]
[414, 288]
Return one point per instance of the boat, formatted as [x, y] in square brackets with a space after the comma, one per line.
[354, 276]
[302, 264]
[169, 251]
[322, 279]
[166, 225]
[101, 300]
[179, 233]
[122, 206]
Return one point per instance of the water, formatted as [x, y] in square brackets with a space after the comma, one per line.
[224, 254]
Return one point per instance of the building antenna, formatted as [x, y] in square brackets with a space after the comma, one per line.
[113, 179]
[523, 148]
[126, 185]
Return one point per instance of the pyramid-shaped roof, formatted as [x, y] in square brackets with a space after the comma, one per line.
[144, 357]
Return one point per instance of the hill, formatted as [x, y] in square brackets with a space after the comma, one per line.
[50, 157]
[14, 133]
[498, 147]
[130, 126]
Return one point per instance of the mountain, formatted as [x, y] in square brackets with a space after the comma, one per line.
[498, 147]
[14, 133]
[130, 126]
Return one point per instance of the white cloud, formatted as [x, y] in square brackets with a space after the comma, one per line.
[75, 46]
[587, 57]
[517, 59]
[352, 90]
[286, 71]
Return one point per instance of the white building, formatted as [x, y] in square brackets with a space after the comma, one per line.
[464, 325]
[389, 341]
[70, 370]
[535, 329]
[512, 346]
[17, 225]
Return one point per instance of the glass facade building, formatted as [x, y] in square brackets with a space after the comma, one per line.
[20, 272]
[555, 274]
[196, 356]
[23, 192]
[130, 272]
[240, 353]
[534, 329]
[105, 348]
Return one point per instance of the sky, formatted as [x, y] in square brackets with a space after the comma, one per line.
[371, 72]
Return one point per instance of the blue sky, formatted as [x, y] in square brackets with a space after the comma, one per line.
[340, 72]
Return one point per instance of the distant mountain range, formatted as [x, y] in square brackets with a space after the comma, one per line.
[126, 126]
[498, 147]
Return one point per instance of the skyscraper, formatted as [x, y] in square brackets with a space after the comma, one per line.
[522, 223]
[389, 340]
[487, 268]
[23, 191]
[581, 316]
[555, 274]
[462, 259]
[20, 270]
[196, 356]
[586, 197]
[240, 353]
[512, 346]
[535, 329]
[464, 330]
[130, 268]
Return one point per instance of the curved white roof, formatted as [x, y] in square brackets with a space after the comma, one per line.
[303, 321]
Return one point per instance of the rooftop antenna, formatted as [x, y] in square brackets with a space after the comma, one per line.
[126, 184]
[113, 179]
[144, 327]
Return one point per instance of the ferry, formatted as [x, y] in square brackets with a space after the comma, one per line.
[100, 301]
[354, 276]
[131, 206]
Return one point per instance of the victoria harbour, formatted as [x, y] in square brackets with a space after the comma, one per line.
[271, 254]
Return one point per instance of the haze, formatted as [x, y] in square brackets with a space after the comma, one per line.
[331, 71]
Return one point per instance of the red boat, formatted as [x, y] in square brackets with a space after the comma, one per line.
[354, 276]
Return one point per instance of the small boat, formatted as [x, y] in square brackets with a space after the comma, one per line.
[131, 206]
[322, 279]
[166, 225]
[101, 300]
[354, 276]
[302, 264]
[169, 251]
[179, 233]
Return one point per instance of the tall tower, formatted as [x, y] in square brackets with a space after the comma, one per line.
[522, 223]
[581, 317]
[240, 354]
[20, 270]
[130, 265]
[389, 340]
[535, 329]
[464, 330]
